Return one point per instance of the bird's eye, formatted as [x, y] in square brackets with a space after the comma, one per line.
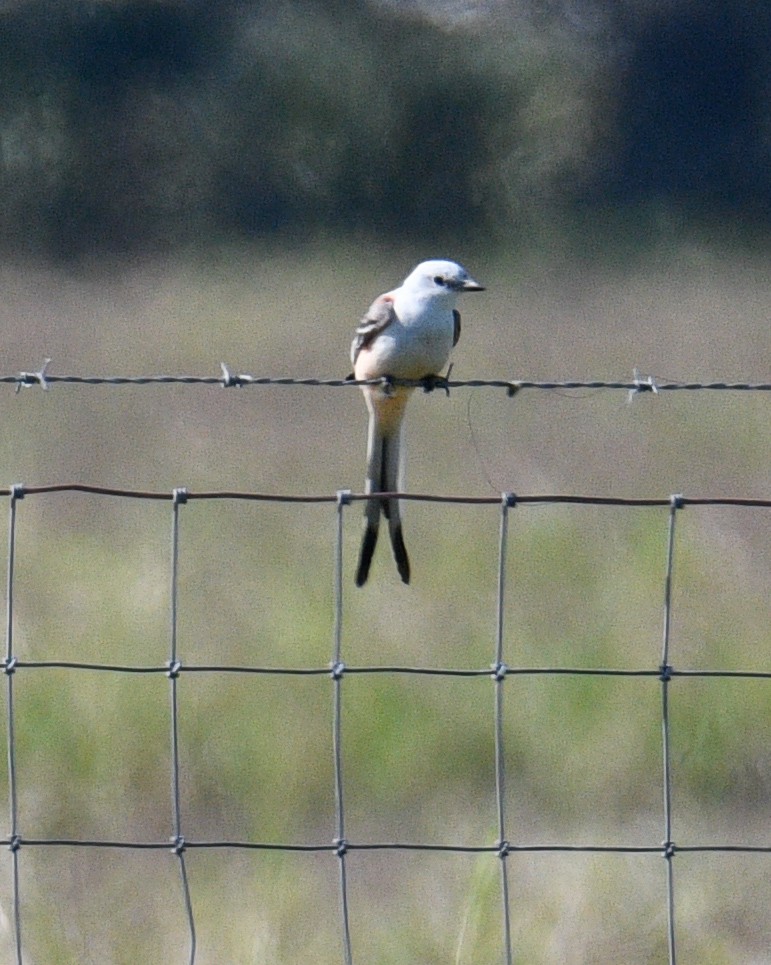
[438, 280]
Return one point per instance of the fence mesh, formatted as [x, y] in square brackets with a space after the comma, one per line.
[500, 670]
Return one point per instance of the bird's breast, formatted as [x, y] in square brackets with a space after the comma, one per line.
[415, 346]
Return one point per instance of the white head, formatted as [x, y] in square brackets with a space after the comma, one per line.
[440, 278]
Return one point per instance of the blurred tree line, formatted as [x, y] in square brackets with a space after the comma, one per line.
[151, 124]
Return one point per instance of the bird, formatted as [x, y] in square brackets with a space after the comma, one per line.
[407, 333]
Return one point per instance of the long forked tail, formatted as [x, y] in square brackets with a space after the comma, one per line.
[383, 462]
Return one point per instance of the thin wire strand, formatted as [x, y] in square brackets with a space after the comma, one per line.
[179, 498]
[499, 676]
[289, 848]
[388, 669]
[17, 493]
[337, 671]
[538, 499]
[676, 503]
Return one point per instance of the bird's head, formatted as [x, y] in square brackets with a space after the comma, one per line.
[439, 278]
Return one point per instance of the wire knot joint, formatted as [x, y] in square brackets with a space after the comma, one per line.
[174, 670]
[178, 845]
[341, 847]
[9, 666]
[336, 670]
[504, 849]
[499, 671]
[669, 849]
[665, 673]
[14, 843]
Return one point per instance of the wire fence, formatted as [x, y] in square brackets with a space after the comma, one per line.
[338, 670]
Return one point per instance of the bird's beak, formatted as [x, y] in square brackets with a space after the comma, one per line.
[469, 285]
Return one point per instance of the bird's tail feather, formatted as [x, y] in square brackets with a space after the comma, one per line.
[383, 475]
[391, 470]
[368, 543]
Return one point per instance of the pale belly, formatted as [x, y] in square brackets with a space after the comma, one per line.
[405, 354]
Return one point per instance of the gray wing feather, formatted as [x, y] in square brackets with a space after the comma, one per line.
[377, 319]
[456, 330]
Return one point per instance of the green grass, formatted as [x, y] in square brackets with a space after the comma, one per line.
[584, 590]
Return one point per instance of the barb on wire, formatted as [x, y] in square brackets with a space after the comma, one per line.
[230, 381]
[26, 379]
[647, 384]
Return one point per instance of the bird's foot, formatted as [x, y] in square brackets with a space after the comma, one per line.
[431, 382]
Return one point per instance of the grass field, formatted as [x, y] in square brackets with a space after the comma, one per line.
[585, 589]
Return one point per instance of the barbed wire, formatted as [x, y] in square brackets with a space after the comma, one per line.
[227, 379]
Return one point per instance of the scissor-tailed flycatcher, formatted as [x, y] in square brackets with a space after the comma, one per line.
[408, 333]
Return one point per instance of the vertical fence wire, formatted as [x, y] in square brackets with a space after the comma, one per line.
[337, 671]
[676, 503]
[508, 500]
[179, 498]
[17, 493]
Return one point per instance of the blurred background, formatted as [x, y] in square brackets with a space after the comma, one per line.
[185, 184]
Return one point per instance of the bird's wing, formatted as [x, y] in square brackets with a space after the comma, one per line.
[456, 330]
[380, 315]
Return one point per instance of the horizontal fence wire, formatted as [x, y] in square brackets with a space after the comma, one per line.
[18, 490]
[339, 845]
[228, 379]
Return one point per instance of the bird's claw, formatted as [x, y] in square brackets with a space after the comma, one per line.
[431, 382]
